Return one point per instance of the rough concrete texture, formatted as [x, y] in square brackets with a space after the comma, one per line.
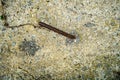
[94, 55]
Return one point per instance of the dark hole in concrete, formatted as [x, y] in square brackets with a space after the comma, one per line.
[71, 41]
[29, 47]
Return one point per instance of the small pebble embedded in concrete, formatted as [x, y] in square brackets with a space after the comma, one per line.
[89, 24]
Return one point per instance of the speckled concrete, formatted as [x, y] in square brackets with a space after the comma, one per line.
[41, 54]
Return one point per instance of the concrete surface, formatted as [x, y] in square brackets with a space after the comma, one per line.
[29, 53]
